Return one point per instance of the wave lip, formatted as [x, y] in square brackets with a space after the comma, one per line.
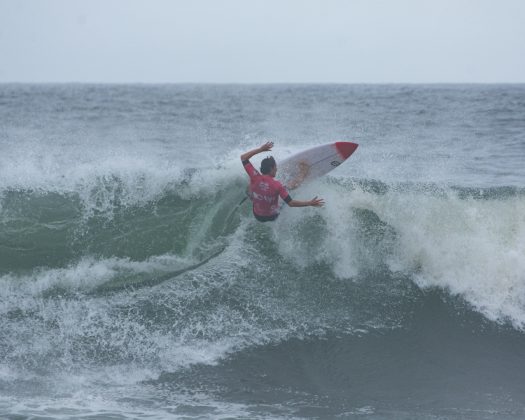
[468, 246]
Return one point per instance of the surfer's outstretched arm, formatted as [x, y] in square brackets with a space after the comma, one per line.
[314, 202]
[264, 148]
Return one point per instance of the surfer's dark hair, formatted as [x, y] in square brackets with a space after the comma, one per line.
[267, 165]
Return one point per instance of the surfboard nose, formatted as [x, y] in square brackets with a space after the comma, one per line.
[345, 148]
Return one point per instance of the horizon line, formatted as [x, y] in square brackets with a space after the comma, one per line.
[252, 83]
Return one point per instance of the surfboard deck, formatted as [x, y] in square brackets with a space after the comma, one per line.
[320, 160]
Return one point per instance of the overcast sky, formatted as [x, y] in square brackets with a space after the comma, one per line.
[262, 41]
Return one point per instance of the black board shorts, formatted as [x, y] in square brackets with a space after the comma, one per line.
[266, 218]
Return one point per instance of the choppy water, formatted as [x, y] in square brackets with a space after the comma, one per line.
[132, 286]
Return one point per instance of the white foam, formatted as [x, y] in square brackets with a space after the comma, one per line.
[473, 248]
[110, 175]
[53, 331]
[126, 402]
[86, 274]
[295, 231]
[470, 247]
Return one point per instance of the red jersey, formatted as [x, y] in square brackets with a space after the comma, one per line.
[265, 192]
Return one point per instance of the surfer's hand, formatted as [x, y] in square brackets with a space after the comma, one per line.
[317, 202]
[266, 147]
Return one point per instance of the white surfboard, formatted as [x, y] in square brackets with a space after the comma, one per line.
[320, 160]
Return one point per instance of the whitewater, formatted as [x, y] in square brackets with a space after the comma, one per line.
[134, 284]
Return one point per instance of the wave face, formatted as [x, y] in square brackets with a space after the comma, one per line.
[130, 273]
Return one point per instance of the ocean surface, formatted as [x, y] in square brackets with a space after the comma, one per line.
[134, 286]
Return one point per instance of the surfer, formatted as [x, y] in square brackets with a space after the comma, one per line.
[265, 190]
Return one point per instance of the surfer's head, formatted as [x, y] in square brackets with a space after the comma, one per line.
[268, 166]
